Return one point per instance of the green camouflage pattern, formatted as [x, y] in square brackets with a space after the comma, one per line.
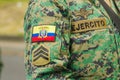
[116, 4]
[89, 55]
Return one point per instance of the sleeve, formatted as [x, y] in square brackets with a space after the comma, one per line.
[46, 33]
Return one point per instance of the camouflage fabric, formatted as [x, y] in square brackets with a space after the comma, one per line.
[116, 4]
[86, 47]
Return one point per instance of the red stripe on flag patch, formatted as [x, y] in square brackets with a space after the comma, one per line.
[48, 38]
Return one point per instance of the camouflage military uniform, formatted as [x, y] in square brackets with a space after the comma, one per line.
[85, 45]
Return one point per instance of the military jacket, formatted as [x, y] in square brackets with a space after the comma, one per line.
[71, 40]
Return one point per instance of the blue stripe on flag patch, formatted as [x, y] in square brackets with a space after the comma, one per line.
[48, 34]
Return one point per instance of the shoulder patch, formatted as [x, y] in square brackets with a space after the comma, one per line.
[43, 33]
[41, 56]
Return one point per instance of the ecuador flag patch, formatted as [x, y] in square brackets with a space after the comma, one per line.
[43, 33]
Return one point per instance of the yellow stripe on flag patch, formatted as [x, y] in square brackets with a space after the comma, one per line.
[49, 28]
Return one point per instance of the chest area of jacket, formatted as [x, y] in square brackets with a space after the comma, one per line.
[85, 16]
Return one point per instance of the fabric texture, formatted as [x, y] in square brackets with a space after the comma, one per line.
[86, 46]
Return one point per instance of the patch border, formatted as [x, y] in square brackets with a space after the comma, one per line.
[88, 20]
[45, 37]
[41, 63]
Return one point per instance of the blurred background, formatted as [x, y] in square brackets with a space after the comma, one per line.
[11, 38]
